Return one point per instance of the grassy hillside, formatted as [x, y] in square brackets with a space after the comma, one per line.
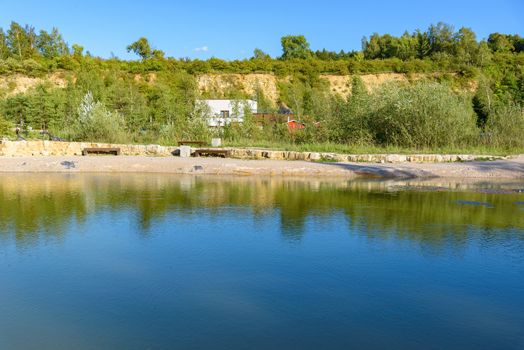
[433, 90]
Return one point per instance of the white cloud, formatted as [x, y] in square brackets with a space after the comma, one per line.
[202, 49]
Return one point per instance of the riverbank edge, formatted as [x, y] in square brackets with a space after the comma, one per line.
[487, 170]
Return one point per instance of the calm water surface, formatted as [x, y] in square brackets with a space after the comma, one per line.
[163, 262]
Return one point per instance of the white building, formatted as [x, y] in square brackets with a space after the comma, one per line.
[224, 112]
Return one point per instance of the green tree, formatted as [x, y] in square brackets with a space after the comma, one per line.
[441, 38]
[483, 101]
[158, 54]
[21, 41]
[96, 123]
[292, 94]
[466, 46]
[52, 44]
[4, 49]
[500, 43]
[142, 48]
[264, 105]
[371, 47]
[354, 128]
[423, 44]
[260, 55]
[407, 47]
[5, 127]
[483, 55]
[388, 46]
[78, 50]
[295, 46]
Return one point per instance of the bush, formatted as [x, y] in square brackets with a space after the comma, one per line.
[354, 124]
[249, 129]
[422, 115]
[96, 123]
[191, 129]
[33, 68]
[6, 127]
[505, 127]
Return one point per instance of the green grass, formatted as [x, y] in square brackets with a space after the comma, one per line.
[370, 149]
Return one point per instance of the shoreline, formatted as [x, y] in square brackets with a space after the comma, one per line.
[512, 168]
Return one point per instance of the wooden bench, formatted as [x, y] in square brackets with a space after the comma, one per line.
[188, 143]
[212, 152]
[101, 150]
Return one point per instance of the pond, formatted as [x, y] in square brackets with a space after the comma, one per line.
[164, 262]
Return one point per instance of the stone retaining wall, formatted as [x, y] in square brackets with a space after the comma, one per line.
[53, 148]
[242, 153]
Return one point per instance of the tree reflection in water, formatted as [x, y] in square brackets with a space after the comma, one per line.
[432, 212]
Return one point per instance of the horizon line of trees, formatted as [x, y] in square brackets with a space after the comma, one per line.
[440, 40]
[24, 42]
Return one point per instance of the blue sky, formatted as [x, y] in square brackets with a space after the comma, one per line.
[232, 29]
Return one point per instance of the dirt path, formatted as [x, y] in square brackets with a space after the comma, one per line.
[502, 169]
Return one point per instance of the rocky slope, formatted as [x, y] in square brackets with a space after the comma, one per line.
[213, 84]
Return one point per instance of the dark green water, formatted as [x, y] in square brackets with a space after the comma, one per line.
[163, 262]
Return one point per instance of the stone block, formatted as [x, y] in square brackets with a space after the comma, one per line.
[315, 156]
[185, 151]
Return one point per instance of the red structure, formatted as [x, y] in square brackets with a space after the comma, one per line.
[295, 125]
[288, 119]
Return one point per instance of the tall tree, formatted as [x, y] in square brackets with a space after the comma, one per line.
[295, 46]
[78, 50]
[371, 47]
[467, 47]
[500, 42]
[423, 45]
[505, 43]
[142, 48]
[260, 55]
[158, 54]
[484, 54]
[4, 49]
[441, 38]
[51, 44]
[407, 46]
[18, 40]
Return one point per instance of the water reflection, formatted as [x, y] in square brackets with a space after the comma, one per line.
[33, 206]
[163, 262]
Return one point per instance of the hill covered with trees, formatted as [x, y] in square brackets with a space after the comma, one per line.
[461, 92]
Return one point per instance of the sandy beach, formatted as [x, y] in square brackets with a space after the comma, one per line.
[500, 169]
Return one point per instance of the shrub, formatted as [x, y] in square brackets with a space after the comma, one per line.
[354, 124]
[505, 127]
[32, 68]
[421, 115]
[5, 127]
[191, 127]
[96, 123]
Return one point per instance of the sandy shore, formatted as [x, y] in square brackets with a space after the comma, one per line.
[501, 169]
